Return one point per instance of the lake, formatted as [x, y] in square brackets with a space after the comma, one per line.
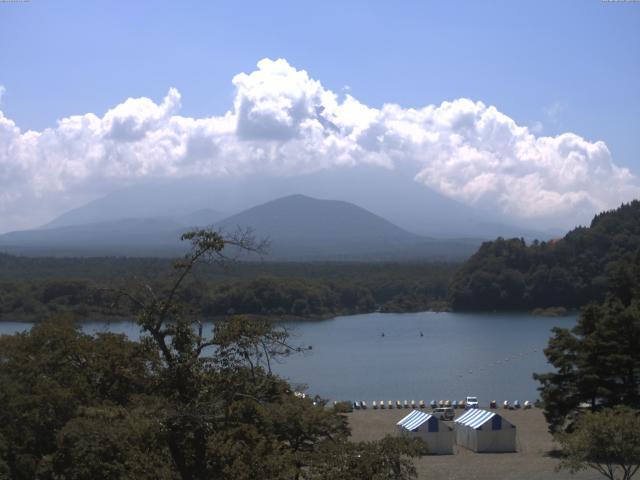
[491, 355]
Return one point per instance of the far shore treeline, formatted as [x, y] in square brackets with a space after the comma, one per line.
[505, 274]
[34, 288]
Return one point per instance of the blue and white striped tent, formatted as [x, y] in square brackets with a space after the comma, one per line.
[484, 431]
[438, 436]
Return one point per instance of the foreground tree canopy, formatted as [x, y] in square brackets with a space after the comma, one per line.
[607, 441]
[569, 272]
[598, 361]
[183, 403]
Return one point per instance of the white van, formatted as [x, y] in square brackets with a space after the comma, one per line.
[471, 402]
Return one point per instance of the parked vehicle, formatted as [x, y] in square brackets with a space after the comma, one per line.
[471, 402]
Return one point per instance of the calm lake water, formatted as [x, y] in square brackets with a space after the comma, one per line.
[489, 355]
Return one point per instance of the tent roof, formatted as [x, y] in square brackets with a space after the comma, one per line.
[414, 420]
[475, 418]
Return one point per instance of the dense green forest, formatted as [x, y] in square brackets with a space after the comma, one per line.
[569, 272]
[35, 288]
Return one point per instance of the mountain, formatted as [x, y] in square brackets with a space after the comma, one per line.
[298, 227]
[300, 217]
[392, 194]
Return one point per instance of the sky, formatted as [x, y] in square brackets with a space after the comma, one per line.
[529, 108]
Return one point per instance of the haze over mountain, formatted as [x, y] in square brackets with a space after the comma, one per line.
[388, 193]
[299, 228]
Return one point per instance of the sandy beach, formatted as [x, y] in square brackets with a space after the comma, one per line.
[531, 462]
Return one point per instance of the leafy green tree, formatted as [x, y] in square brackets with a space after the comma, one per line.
[48, 373]
[387, 459]
[607, 441]
[598, 361]
[109, 443]
[226, 414]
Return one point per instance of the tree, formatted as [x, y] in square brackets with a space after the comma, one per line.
[187, 401]
[225, 414]
[50, 372]
[607, 441]
[598, 361]
[387, 459]
[109, 443]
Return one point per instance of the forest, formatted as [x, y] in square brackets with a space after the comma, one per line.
[508, 274]
[34, 288]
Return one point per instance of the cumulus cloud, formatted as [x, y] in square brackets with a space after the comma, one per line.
[283, 122]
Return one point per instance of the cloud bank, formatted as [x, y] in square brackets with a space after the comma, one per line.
[285, 123]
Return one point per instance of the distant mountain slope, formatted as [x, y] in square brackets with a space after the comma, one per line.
[300, 228]
[306, 228]
[570, 272]
[134, 236]
[299, 216]
[392, 194]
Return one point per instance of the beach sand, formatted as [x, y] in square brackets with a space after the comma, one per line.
[530, 462]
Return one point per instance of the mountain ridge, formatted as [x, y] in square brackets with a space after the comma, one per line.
[300, 228]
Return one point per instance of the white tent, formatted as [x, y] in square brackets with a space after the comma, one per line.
[483, 431]
[438, 436]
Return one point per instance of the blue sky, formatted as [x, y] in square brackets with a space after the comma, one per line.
[554, 66]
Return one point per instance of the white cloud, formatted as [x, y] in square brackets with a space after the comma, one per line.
[285, 123]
